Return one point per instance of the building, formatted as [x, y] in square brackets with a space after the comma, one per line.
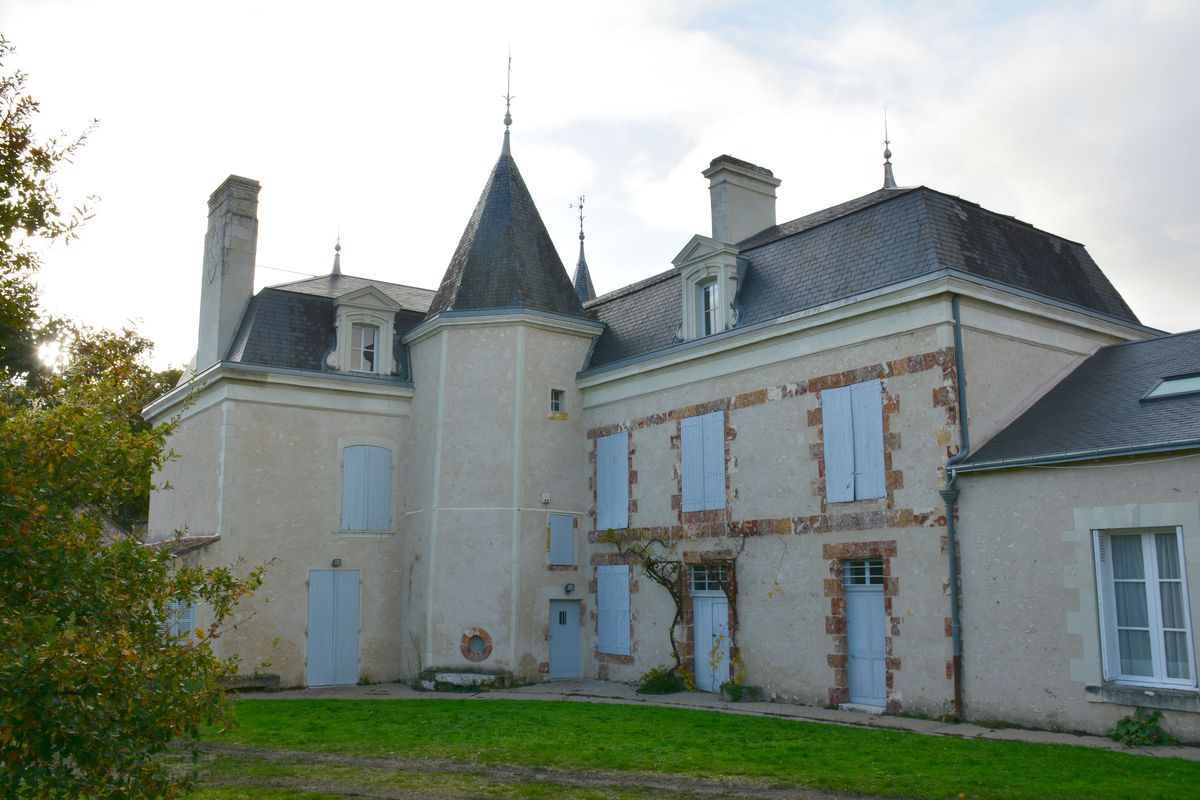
[438, 476]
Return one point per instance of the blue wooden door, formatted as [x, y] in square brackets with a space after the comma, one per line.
[866, 637]
[564, 639]
[710, 616]
[332, 627]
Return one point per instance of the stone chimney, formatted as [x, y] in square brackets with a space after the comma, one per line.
[228, 280]
[743, 198]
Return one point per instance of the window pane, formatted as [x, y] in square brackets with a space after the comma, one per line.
[1127, 557]
[1135, 653]
[1168, 555]
[1171, 593]
[1175, 644]
[1131, 605]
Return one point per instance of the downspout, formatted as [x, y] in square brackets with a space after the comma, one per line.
[950, 495]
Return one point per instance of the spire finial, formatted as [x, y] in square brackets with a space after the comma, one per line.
[508, 95]
[583, 278]
[337, 255]
[579, 205]
[504, 151]
[889, 180]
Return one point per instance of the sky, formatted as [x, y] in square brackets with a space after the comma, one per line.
[381, 121]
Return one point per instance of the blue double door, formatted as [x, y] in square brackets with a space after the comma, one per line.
[332, 658]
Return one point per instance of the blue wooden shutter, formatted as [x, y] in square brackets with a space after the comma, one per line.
[612, 609]
[378, 489]
[354, 471]
[612, 481]
[691, 462]
[714, 459]
[866, 399]
[366, 488]
[562, 540]
[837, 419]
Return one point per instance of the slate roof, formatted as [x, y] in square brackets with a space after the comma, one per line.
[409, 297]
[505, 258]
[583, 278]
[293, 325]
[1100, 408]
[882, 238]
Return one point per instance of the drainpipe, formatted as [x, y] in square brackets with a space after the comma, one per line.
[950, 496]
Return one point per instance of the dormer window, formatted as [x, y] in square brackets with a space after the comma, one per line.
[362, 348]
[710, 273]
[365, 321]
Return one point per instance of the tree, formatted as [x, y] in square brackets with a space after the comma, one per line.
[94, 685]
[29, 214]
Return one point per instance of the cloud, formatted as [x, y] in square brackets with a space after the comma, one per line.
[383, 121]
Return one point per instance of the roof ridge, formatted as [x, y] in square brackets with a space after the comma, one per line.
[886, 195]
[284, 286]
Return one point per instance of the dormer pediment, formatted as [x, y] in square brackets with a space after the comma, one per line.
[703, 248]
[368, 297]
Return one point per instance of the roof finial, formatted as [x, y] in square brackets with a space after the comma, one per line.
[583, 278]
[337, 255]
[889, 180]
[507, 105]
[579, 205]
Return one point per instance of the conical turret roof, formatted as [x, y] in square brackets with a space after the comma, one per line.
[583, 278]
[505, 258]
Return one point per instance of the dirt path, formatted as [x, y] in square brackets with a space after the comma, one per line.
[656, 785]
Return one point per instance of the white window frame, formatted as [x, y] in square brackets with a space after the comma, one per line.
[366, 307]
[1106, 603]
[360, 361]
[709, 307]
[558, 401]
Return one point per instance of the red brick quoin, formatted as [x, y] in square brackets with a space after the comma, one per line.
[835, 623]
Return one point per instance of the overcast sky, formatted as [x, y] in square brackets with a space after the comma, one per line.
[382, 120]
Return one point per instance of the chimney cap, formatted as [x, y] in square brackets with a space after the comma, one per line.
[728, 163]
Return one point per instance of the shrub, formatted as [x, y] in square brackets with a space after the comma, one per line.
[1141, 729]
[660, 680]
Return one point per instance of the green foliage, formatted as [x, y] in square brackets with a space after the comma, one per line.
[660, 680]
[93, 686]
[643, 738]
[29, 215]
[1141, 729]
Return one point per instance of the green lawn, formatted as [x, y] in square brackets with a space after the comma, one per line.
[584, 736]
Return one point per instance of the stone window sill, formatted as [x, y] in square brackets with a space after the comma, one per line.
[364, 534]
[1146, 697]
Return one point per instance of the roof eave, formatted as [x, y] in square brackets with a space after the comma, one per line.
[1094, 454]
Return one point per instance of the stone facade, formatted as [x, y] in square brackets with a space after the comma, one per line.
[482, 458]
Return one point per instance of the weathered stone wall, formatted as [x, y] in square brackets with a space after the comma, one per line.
[1031, 633]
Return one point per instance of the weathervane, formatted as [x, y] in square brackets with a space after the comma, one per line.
[508, 95]
[579, 205]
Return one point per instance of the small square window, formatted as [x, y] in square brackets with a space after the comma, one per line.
[708, 577]
[558, 401]
[863, 573]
